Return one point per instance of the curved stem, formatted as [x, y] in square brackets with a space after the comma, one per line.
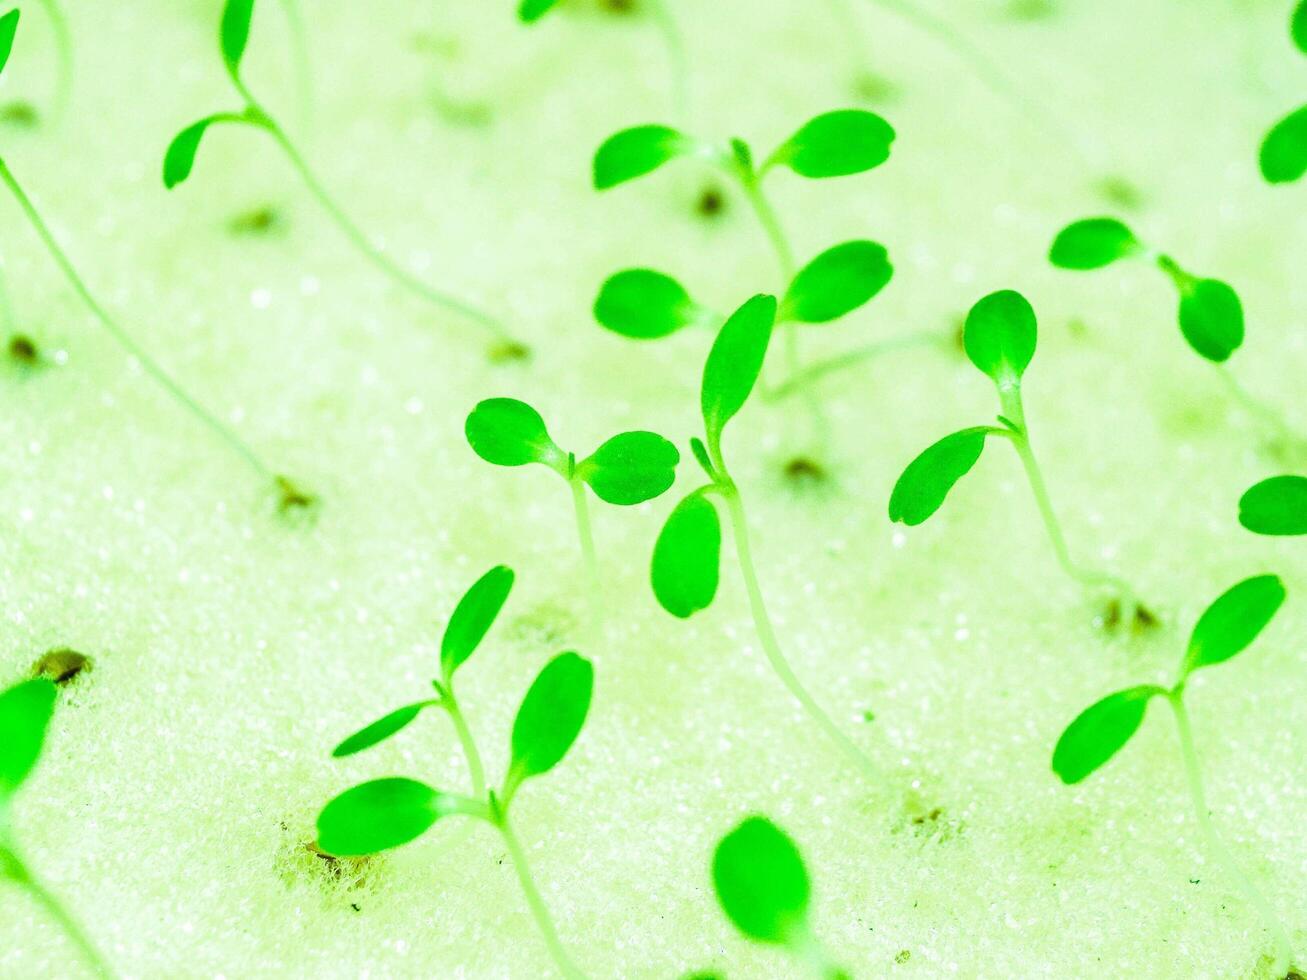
[539, 911]
[772, 648]
[303, 66]
[585, 535]
[20, 873]
[1193, 775]
[64, 44]
[676, 60]
[1270, 417]
[476, 771]
[832, 365]
[124, 339]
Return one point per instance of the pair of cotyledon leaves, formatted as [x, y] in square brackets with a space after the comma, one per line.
[1226, 628]
[386, 813]
[1277, 506]
[999, 336]
[1210, 313]
[1283, 154]
[629, 468]
[645, 304]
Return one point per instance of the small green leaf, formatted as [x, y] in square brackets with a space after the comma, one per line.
[473, 617]
[761, 882]
[635, 152]
[1277, 506]
[550, 717]
[1100, 732]
[180, 158]
[1000, 335]
[631, 468]
[379, 730]
[1283, 156]
[379, 815]
[687, 557]
[836, 144]
[1092, 244]
[25, 712]
[1233, 621]
[235, 33]
[836, 282]
[507, 432]
[645, 304]
[734, 362]
[921, 490]
[8, 28]
[1211, 318]
[530, 11]
[1298, 26]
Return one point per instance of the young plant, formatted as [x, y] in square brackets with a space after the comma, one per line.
[1229, 625]
[685, 569]
[1277, 506]
[1210, 314]
[179, 160]
[763, 888]
[386, 813]
[999, 337]
[627, 469]
[25, 713]
[291, 497]
[1283, 154]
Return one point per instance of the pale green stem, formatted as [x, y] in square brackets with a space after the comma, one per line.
[808, 950]
[124, 339]
[585, 535]
[303, 67]
[1271, 418]
[56, 911]
[676, 60]
[821, 369]
[539, 911]
[476, 771]
[64, 44]
[770, 645]
[1193, 774]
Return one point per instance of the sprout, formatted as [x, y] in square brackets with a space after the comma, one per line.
[25, 713]
[685, 567]
[386, 813]
[119, 333]
[628, 469]
[1283, 154]
[1277, 506]
[999, 338]
[1228, 627]
[179, 161]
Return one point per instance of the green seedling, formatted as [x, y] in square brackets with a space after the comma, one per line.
[25, 713]
[8, 27]
[627, 469]
[1276, 507]
[386, 813]
[999, 337]
[685, 569]
[178, 162]
[763, 888]
[1226, 628]
[1283, 154]
[1210, 313]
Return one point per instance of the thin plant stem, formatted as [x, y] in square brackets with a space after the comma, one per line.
[771, 646]
[1270, 417]
[539, 911]
[64, 44]
[124, 339]
[303, 65]
[1193, 774]
[53, 908]
[476, 771]
[677, 66]
[840, 362]
[585, 535]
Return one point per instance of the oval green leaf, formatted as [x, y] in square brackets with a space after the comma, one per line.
[644, 304]
[1283, 156]
[1000, 335]
[687, 557]
[631, 468]
[508, 432]
[379, 815]
[379, 730]
[1211, 318]
[1100, 731]
[761, 882]
[1298, 26]
[235, 33]
[179, 160]
[473, 617]
[530, 11]
[1233, 621]
[550, 717]
[8, 28]
[921, 490]
[25, 712]
[734, 362]
[836, 282]
[1092, 244]
[635, 152]
[1277, 506]
[836, 144]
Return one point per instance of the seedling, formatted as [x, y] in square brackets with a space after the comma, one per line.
[1229, 626]
[8, 26]
[999, 338]
[1210, 313]
[763, 888]
[687, 555]
[628, 469]
[386, 813]
[25, 713]
[1283, 154]
[1277, 506]
[179, 160]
